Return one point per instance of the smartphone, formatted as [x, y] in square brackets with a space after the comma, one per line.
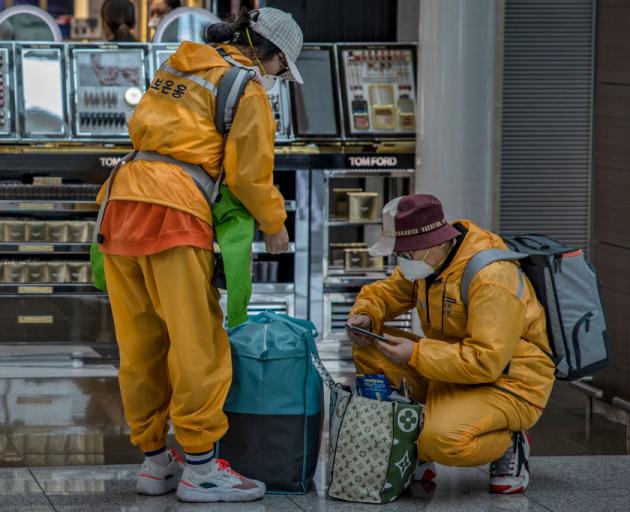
[371, 334]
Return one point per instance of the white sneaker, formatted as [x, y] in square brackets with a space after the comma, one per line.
[156, 480]
[425, 471]
[510, 474]
[220, 483]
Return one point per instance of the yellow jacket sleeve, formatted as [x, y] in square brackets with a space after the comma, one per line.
[385, 300]
[495, 323]
[249, 160]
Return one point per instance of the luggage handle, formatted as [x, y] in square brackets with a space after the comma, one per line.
[524, 241]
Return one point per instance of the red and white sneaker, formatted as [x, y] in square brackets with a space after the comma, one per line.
[156, 480]
[220, 483]
[425, 471]
[510, 474]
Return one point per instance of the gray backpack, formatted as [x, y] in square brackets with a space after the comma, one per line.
[568, 288]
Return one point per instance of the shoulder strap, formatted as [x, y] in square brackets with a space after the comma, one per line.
[229, 94]
[230, 90]
[481, 260]
[98, 236]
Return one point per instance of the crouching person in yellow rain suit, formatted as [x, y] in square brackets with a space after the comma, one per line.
[483, 371]
[175, 360]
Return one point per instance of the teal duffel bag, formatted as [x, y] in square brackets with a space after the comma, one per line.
[275, 404]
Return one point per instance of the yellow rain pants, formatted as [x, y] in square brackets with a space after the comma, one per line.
[464, 425]
[175, 358]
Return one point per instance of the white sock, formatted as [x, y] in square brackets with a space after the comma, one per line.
[200, 462]
[162, 459]
[200, 469]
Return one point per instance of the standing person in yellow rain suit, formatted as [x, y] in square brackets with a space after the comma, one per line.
[175, 357]
[483, 371]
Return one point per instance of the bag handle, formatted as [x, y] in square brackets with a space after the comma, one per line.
[525, 240]
[323, 371]
[303, 324]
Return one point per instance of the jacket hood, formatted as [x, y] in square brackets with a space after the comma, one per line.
[195, 57]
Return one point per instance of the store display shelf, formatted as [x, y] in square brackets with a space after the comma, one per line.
[259, 248]
[342, 222]
[358, 173]
[44, 248]
[39, 205]
[43, 206]
[49, 289]
[273, 288]
[340, 271]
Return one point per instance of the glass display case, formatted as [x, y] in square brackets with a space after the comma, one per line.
[41, 91]
[315, 103]
[8, 127]
[351, 202]
[74, 101]
[107, 84]
[379, 93]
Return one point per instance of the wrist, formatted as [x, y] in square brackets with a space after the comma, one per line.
[274, 233]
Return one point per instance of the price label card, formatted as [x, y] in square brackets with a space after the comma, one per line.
[36, 206]
[35, 319]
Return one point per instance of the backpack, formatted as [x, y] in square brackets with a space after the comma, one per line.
[569, 291]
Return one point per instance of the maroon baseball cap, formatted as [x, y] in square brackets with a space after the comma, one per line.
[419, 223]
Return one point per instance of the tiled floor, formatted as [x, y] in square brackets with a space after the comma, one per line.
[560, 484]
[64, 447]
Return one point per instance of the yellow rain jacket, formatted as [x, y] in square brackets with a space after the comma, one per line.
[183, 109]
[500, 340]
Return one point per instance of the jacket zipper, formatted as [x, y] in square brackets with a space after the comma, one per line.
[427, 287]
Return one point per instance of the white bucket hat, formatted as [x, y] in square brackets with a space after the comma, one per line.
[385, 246]
[281, 29]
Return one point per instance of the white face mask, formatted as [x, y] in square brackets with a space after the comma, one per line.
[268, 82]
[414, 269]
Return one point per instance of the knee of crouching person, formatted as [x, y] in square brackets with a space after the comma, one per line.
[445, 447]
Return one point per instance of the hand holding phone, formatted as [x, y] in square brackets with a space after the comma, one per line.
[364, 322]
[365, 332]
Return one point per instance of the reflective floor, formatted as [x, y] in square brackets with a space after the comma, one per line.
[64, 447]
[574, 484]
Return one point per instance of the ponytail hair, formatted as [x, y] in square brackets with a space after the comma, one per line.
[124, 35]
[235, 32]
[120, 18]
